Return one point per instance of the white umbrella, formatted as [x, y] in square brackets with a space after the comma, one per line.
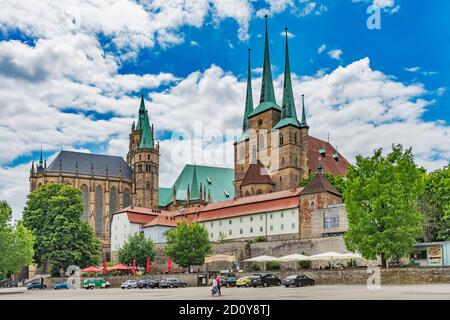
[294, 257]
[263, 259]
[352, 255]
[328, 256]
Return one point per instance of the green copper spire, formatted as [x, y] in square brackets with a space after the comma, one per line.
[195, 191]
[267, 91]
[144, 125]
[41, 161]
[288, 105]
[288, 112]
[249, 97]
[304, 124]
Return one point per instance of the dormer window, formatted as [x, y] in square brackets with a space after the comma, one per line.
[208, 179]
[336, 156]
[322, 152]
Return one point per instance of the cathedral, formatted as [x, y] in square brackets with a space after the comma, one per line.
[274, 152]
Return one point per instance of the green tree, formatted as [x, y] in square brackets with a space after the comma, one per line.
[381, 193]
[139, 248]
[188, 244]
[434, 204]
[53, 212]
[16, 243]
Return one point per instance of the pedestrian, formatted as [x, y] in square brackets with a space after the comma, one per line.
[214, 286]
[218, 284]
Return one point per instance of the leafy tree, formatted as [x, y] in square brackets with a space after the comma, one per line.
[188, 244]
[380, 194]
[53, 212]
[139, 248]
[434, 204]
[16, 243]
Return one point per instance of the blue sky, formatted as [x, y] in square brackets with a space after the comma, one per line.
[71, 75]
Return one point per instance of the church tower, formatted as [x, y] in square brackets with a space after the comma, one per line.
[143, 159]
[292, 146]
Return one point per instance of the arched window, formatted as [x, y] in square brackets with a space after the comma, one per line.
[126, 198]
[247, 194]
[261, 141]
[98, 210]
[281, 139]
[259, 191]
[112, 202]
[296, 138]
[85, 197]
[147, 186]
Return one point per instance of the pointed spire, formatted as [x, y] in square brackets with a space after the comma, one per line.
[288, 105]
[249, 96]
[267, 91]
[141, 113]
[304, 124]
[41, 162]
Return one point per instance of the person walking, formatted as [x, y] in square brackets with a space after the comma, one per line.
[214, 287]
[218, 284]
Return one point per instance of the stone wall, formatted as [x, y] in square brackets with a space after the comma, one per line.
[322, 277]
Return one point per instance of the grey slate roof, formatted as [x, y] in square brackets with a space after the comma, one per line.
[69, 160]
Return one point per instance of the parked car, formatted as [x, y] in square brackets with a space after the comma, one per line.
[228, 281]
[298, 280]
[62, 285]
[92, 283]
[155, 283]
[36, 285]
[144, 283]
[244, 282]
[129, 284]
[172, 283]
[265, 280]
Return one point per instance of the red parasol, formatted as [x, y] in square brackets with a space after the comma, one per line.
[105, 268]
[91, 269]
[169, 264]
[133, 268]
[149, 265]
[120, 267]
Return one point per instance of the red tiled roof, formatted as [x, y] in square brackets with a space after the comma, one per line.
[139, 218]
[329, 164]
[162, 220]
[319, 184]
[256, 174]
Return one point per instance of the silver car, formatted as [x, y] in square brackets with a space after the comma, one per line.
[129, 284]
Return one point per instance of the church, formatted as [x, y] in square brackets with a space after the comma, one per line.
[274, 152]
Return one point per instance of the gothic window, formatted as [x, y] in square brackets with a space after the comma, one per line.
[98, 210]
[247, 194]
[259, 191]
[126, 198]
[112, 202]
[140, 168]
[281, 139]
[296, 138]
[85, 196]
[260, 122]
[147, 185]
[140, 158]
[241, 152]
[148, 157]
[261, 141]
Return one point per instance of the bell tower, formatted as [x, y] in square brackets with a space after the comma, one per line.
[143, 159]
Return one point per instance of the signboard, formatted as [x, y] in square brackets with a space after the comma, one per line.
[434, 255]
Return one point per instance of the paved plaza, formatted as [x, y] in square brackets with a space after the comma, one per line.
[325, 292]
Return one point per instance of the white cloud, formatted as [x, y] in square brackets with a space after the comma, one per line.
[194, 43]
[412, 69]
[297, 7]
[388, 6]
[335, 54]
[322, 48]
[128, 25]
[289, 34]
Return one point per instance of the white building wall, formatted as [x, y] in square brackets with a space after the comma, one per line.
[254, 225]
[121, 230]
[156, 233]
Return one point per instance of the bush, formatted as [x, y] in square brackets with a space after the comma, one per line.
[260, 239]
[273, 265]
[305, 264]
[255, 267]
